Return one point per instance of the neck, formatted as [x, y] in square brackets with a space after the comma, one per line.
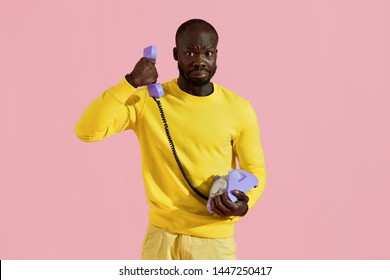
[205, 90]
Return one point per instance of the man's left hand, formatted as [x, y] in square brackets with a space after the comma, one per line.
[224, 207]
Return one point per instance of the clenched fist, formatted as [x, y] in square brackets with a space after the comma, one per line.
[144, 73]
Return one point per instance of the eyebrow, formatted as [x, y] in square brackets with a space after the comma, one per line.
[195, 48]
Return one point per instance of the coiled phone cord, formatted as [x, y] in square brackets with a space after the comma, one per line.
[183, 172]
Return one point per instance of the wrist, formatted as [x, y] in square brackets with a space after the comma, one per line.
[131, 81]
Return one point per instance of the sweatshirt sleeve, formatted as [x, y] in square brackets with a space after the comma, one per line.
[250, 154]
[117, 109]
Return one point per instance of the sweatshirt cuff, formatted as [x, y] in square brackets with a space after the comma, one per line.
[123, 90]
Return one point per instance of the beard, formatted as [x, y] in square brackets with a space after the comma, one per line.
[196, 81]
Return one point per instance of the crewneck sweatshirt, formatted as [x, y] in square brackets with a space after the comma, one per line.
[210, 133]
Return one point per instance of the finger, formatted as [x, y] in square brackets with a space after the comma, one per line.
[152, 74]
[240, 195]
[219, 203]
[148, 59]
[214, 207]
[227, 202]
[238, 208]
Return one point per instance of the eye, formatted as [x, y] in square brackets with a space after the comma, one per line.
[208, 54]
[190, 53]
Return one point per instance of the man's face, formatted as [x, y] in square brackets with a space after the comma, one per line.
[196, 54]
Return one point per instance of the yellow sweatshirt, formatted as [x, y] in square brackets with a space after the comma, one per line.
[209, 134]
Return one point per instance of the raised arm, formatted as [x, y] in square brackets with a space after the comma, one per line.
[117, 108]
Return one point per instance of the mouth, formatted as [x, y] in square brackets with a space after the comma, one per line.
[199, 73]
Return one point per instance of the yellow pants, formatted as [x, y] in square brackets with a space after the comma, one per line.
[159, 244]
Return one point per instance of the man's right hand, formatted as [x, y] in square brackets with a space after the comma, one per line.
[144, 73]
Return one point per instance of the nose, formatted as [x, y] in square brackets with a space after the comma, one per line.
[199, 62]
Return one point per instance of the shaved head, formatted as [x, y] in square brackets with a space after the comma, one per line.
[195, 23]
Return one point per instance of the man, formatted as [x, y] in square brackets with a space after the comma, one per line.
[209, 127]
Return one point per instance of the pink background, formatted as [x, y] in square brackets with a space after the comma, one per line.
[317, 73]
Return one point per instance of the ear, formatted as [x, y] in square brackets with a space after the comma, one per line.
[175, 56]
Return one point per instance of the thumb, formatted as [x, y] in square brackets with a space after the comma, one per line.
[240, 195]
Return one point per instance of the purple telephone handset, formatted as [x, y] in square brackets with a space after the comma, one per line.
[236, 180]
[155, 90]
